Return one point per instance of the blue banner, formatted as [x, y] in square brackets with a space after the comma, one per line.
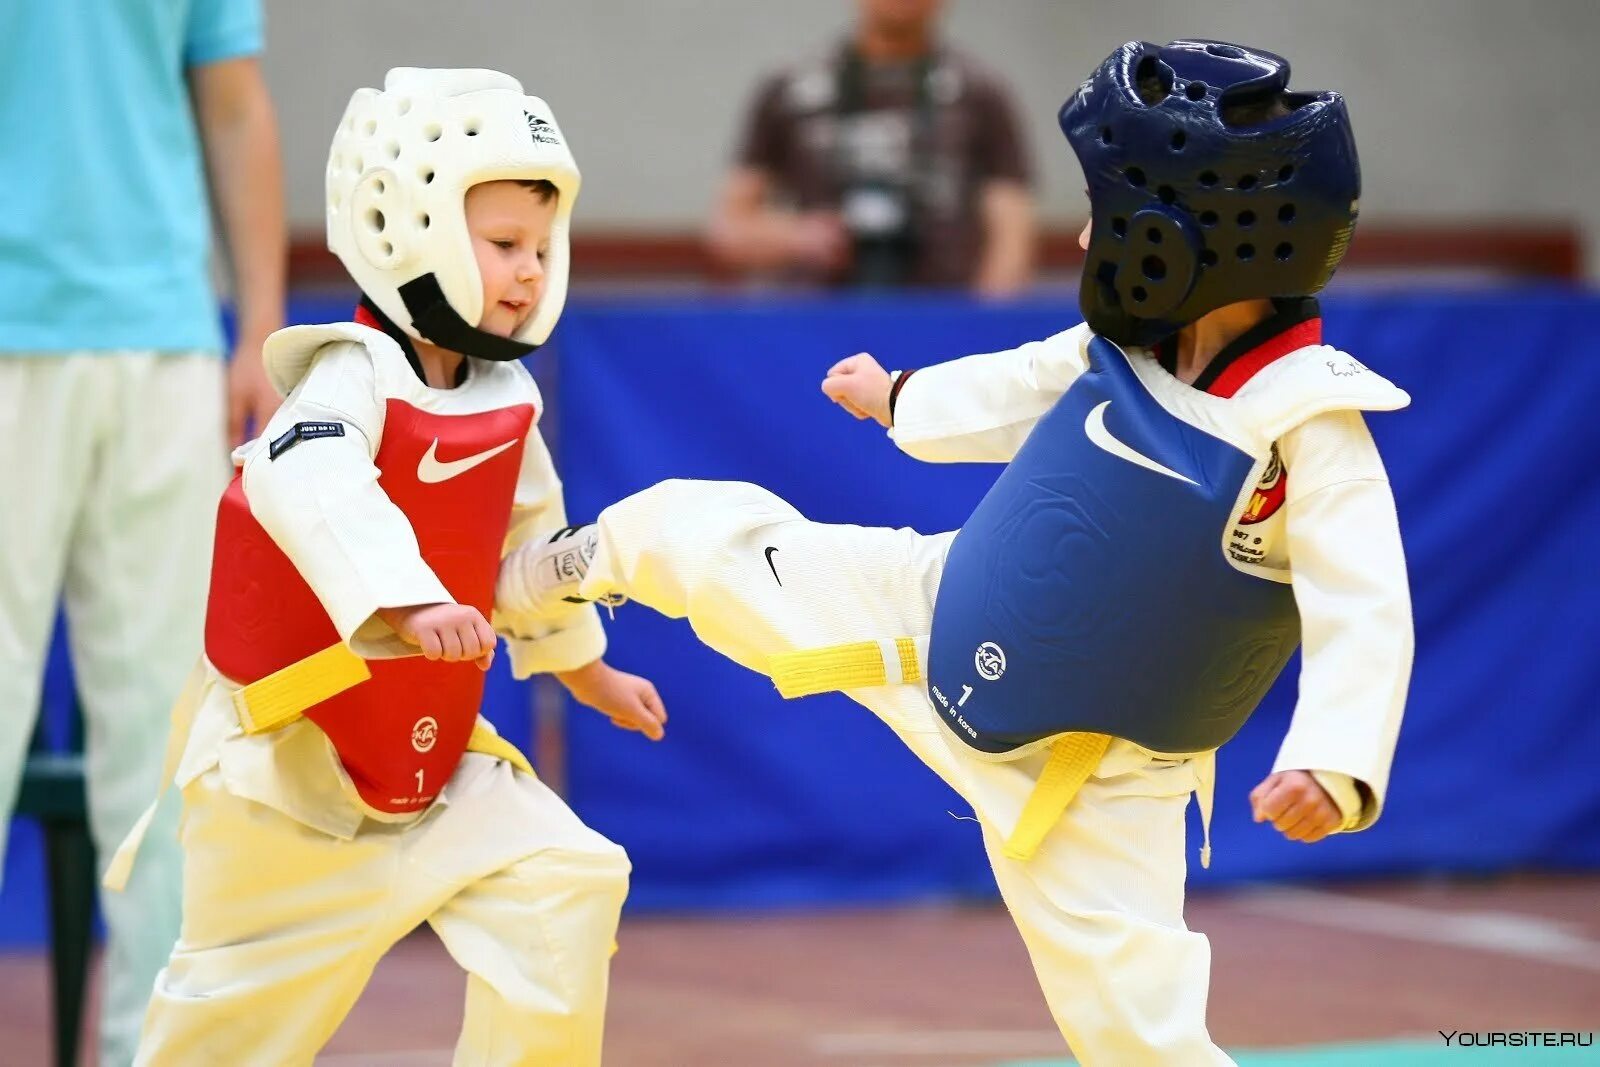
[755, 801]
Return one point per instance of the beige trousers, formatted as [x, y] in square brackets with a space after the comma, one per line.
[1100, 907]
[283, 923]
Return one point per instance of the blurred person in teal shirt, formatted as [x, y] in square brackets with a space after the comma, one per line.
[116, 404]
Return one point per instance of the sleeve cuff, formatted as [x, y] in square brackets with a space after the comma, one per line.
[217, 47]
[575, 645]
[214, 34]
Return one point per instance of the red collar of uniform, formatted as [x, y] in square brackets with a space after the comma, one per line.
[366, 318]
[1293, 325]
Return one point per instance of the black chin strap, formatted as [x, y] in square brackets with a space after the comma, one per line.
[436, 320]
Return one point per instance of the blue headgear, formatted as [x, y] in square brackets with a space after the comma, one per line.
[1199, 196]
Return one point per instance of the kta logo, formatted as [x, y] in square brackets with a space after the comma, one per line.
[990, 661]
[425, 733]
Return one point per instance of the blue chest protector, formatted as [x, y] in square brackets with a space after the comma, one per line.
[1089, 591]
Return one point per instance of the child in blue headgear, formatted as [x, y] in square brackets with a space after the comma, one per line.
[1191, 493]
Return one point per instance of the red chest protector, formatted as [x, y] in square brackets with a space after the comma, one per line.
[401, 733]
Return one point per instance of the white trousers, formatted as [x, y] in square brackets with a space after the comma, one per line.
[111, 465]
[1100, 906]
[283, 923]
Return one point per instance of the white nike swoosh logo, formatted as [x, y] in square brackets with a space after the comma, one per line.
[430, 470]
[1095, 427]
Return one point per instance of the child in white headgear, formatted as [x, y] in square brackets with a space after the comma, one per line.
[340, 787]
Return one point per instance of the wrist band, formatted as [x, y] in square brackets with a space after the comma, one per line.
[898, 380]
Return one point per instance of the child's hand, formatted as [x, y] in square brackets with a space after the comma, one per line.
[861, 387]
[450, 632]
[629, 701]
[1296, 805]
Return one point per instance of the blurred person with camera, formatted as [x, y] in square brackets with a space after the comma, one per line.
[116, 406]
[893, 160]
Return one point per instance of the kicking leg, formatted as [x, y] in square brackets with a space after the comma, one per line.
[755, 577]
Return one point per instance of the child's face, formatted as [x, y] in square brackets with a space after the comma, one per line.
[510, 229]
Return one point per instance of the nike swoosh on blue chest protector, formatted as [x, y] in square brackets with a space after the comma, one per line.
[1098, 575]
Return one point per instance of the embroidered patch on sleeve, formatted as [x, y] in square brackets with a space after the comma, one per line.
[303, 431]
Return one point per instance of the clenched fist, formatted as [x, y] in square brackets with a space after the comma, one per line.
[1296, 806]
[861, 387]
[453, 633]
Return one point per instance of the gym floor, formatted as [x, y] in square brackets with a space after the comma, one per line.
[1349, 974]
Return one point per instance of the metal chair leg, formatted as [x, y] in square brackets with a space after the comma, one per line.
[70, 856]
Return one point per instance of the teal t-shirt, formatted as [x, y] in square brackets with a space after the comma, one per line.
[105, 230]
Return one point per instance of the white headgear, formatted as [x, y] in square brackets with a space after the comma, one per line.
[398, 174]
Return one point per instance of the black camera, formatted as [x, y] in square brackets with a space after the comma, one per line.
[879, 218]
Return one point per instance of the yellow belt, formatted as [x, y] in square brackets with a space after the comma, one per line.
[268, 704]
[1073, 757]
[863, 664]
[284, 695]
[859, 665]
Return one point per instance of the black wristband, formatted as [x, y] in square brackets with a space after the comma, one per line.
[894, 391]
